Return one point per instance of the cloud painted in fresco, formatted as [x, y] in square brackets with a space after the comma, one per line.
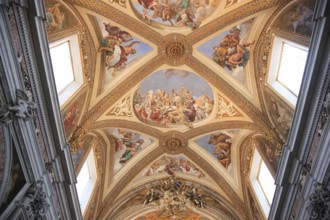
[175, 79]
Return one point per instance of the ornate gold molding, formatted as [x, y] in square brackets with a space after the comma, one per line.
[121, 18]
[231, 17]
[130, 125]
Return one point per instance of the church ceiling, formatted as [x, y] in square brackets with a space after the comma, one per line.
[173, 88]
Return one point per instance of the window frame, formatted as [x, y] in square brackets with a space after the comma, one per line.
[85, 195]
[70, 90]
[274, 66]
[259, 182]
[254, 180]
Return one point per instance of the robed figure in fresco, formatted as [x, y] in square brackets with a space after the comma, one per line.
[112, 44]
[231, 53]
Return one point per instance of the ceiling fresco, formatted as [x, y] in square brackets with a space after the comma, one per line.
[182, 13]
[119, 48]
[231, 50]
[297, 18]
[172, 165]
[169, 97]
[219, 145]
[176, 89]
[127, 144]
[59, 17]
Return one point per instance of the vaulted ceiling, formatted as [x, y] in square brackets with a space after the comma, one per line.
[174, 88]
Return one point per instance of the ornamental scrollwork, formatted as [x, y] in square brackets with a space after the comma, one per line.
[122, 107]
[35, 201]
[319, 205]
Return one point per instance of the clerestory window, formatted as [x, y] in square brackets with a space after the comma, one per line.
[67, 67]
[286, 68]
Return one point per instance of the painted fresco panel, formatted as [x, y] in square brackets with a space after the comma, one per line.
[219, 145]
[72, 113]
[127, 145]
[119, 48]
[173, 97]
[175, 13]
[14, 183]
[280, 114]
[270, 152]
[298, 18]
[231, 50]
[172, 165]
[80, 150]
[58, 16]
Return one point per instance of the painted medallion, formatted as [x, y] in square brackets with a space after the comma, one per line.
[173, 97]
[175, 13]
